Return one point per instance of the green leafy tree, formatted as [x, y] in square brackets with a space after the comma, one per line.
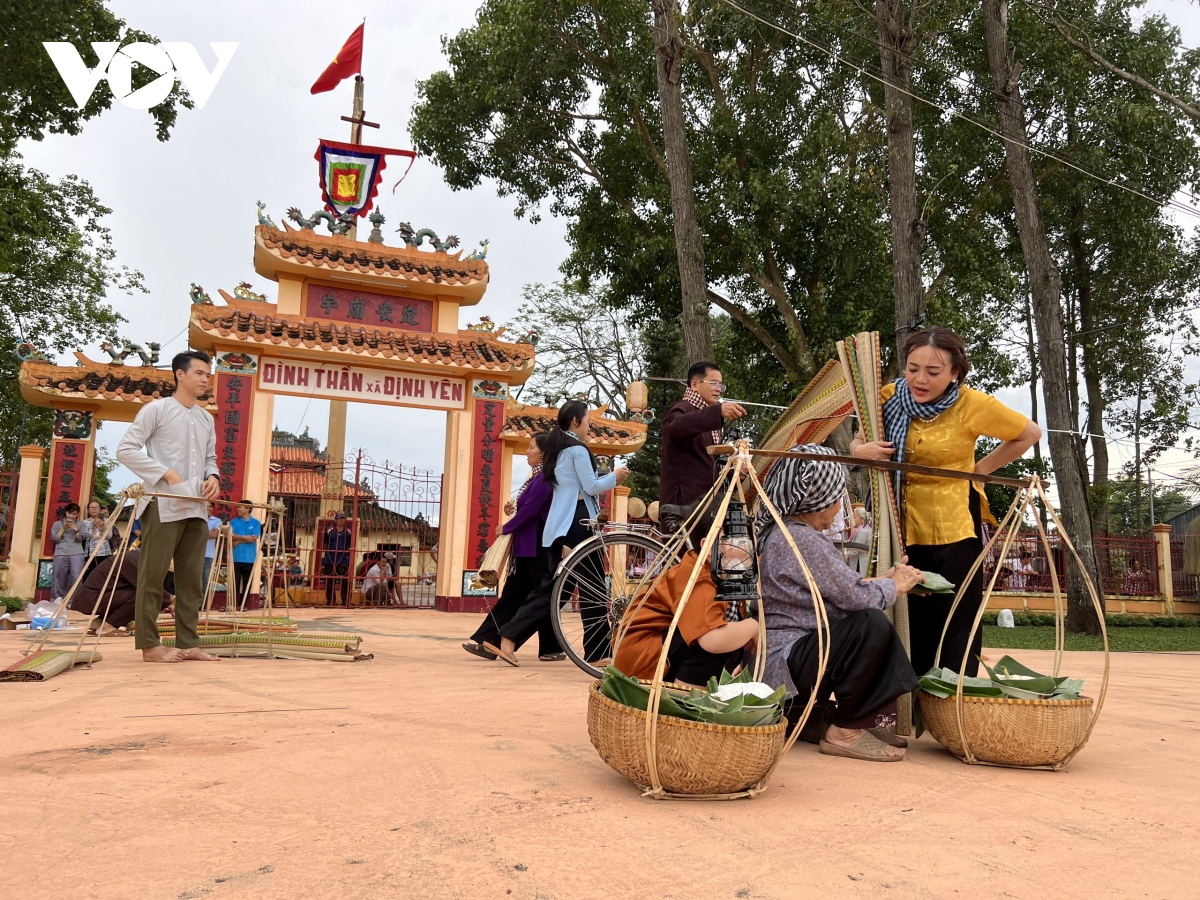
[34, 100]
[57, 261]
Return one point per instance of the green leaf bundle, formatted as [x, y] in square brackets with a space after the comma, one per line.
[1008, 678]
[697, 705]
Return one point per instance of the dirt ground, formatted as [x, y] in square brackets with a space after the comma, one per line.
[429, 773]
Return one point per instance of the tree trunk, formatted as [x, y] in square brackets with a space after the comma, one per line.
[1091, 376]
[1137, 461]
[689, 243]
[1046, 288]
[1034, 378]
[896, 47]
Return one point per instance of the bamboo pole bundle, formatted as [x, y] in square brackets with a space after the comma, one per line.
[861, 362]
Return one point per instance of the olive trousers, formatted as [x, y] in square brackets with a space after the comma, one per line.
[184, 542]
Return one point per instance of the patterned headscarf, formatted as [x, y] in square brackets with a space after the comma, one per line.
[692, 396]
[797, 486]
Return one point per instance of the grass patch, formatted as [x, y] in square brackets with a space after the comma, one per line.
[1041, 637]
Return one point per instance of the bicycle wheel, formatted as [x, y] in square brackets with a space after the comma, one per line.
[594, 587]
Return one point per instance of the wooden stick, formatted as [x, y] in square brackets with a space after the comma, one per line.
[726, 449]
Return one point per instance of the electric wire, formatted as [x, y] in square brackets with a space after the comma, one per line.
[930, 65]
[950, 111]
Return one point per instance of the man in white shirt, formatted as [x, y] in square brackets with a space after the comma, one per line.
[180, 457]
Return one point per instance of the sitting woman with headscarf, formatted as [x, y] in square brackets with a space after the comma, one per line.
[868, 668]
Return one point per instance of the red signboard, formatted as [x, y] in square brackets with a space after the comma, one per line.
[486, 459]
[368, 309]
[233, 436]
[67, 462]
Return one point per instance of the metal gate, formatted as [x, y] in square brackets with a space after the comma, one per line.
[392, 514]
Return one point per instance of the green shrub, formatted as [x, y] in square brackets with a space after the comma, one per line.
[11, 604]
[1111, 620]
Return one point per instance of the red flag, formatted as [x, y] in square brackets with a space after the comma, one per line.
[347, 62]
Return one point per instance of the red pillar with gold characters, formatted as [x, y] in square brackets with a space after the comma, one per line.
[486, 501]
[234, 389]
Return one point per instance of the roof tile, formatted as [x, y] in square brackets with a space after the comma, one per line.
[475, 350]
[347, 254]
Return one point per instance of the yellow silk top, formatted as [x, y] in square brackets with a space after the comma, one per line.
[936, 510]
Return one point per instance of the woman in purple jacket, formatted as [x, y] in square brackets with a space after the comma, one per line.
[528, 517]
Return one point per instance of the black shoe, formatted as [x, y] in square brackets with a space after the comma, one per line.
[477, 650]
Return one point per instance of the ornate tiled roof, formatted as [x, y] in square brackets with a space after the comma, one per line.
[93, 381]
[606, 437]
[464, 350]
[339, 253]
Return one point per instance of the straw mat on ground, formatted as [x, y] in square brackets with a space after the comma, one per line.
[46, 664]
[307, 646]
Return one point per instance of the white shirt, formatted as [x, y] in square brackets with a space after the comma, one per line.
[372, 578]
[175, 437]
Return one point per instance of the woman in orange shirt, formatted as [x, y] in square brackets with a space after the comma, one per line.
[931, 418]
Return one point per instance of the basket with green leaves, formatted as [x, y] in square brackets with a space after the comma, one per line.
[686, 743]
[1014, 717]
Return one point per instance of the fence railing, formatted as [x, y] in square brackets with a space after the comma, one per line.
[1183, 585]
[1128, 565]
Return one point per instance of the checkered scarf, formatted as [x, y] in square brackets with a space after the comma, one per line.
[533, 473]
[797, 486]
[692, 396]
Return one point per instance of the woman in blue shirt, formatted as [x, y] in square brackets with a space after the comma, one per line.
[570, 468]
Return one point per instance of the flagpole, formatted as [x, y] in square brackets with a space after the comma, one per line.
[335, 436]
[356, 117]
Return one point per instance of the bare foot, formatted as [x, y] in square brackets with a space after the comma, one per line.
[197, 653]
[104, 629]
[846, 738]
[162, 654]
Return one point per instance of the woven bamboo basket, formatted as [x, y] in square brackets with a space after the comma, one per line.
[694, 758]
[1010, 732]
[1006, 731]
[678, 759]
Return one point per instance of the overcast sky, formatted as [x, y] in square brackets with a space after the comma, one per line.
[184, 210]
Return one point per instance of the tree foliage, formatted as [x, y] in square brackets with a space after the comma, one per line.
[34, 100]
[555, 102]
[57, 260]
[584, 346]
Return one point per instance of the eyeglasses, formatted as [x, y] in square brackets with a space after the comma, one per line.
[718, 386]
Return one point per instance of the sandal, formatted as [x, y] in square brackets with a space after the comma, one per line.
[868, 748]
[888, 737]
[501, 655]
[552, 657]
[477, 650]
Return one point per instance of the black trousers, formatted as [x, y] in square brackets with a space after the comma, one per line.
[694, 664]
[241, 576]
[867, 668]
[526, 577]
[335, 579]
[927, 615]
[597, 635]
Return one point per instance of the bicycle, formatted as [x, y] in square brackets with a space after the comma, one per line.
[596, 583]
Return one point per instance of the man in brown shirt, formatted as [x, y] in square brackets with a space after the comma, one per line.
[689, 428]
